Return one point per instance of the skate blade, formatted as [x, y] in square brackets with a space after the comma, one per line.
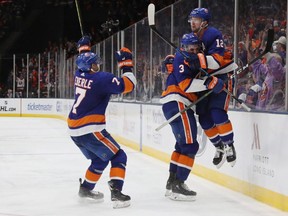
[168, 193]
[90, 200]
[121, 204]
[181, 197]
[232, 163]
[218, 166]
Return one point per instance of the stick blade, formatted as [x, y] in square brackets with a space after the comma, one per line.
[246, 107]
[151, 14]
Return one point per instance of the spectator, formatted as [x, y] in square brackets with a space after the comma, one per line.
[9, 93]
[250, 94]
[242, 53]
[20, 84]
[281, 48]
[274, 74]
[242, 57]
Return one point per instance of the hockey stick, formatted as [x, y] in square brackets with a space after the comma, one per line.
[236, 99]
[151, 22]
[184, 110]
[230, 93]
[269, 43]
[196, 102]
[79, 17]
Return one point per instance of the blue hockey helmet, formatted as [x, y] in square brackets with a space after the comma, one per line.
[202, 13]
[84, 43]
[190, 39]
[85, 60]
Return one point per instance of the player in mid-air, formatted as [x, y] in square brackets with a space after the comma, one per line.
[212, 111]
[181, 85]
[86, 122]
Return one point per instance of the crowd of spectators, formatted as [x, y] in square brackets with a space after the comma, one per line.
[42, 75]
[99, 21]
[261, 86]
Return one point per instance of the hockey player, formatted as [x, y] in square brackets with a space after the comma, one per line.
[178, 94]
[212, 111]
[86, 122]
[84, 44]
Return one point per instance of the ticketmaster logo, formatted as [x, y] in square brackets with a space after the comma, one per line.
[45, 107]
[256, 140]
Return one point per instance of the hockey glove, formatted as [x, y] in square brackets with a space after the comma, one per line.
[167, 64]
[124, 58]
[228, 55]
[217, 85]
[196, 61]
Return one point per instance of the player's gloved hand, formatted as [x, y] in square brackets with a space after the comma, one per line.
[124, 58]
[196, 61]
[217, 85]
[228, 55]
[167, 64]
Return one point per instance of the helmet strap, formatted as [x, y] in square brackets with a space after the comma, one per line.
[202, 26]
[98, 68]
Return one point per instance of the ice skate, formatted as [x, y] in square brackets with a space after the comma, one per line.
[86, 193]
[220, 156]
[169, 183]
[119, 200]
[230, 155]
[181, 192]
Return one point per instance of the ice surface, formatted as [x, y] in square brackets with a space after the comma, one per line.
[40, 167]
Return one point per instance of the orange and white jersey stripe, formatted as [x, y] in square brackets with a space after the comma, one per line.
[92, 95]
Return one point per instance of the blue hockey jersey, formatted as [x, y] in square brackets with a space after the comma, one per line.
[92, 92]
[213, 46]
[179, 81]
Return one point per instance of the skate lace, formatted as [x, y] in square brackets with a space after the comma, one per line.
[96, 193]
[219, 150]
[185, 187]
[229, 151]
